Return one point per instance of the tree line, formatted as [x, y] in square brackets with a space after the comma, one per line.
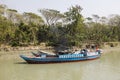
[54, 28]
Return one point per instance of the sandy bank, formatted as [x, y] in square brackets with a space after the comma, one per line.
[111, 49]
[15, 54]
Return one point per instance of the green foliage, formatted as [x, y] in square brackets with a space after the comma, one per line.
[6, 30]
[51, 16]
[69, 29]
[14, 43]
[75, 28]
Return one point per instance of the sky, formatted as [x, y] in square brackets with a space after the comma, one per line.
[90, 7]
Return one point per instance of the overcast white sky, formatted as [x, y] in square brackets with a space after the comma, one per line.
[100, 7]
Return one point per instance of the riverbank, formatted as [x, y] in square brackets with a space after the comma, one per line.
[111, 49]
[14, 54]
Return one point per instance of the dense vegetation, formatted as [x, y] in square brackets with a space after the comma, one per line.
[54, 28]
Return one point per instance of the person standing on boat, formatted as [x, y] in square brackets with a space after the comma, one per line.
[84, 52]
[97, 48]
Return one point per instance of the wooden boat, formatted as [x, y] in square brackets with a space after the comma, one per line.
[38, 54]
[71, 57]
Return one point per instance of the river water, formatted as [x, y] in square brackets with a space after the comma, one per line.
[105, 68]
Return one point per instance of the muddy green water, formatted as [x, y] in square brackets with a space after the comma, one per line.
[105, 68]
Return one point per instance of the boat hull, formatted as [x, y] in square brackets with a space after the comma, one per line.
[37, 60]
